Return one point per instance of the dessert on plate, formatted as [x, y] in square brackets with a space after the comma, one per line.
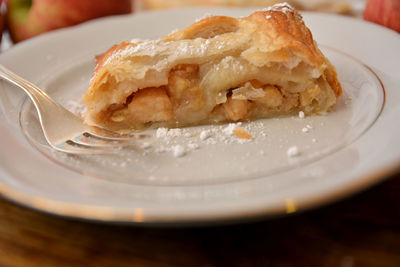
[219, 69]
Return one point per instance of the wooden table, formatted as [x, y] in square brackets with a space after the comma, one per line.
[363, 230]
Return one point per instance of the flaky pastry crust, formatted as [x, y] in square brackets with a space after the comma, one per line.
[217, 69]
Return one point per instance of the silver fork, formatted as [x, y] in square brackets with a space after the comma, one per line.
[62, 129]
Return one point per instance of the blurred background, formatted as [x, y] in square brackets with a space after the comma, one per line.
[335, 6]
[362, 230]
[24, 19]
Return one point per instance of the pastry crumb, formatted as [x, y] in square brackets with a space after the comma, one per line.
[228, 130]
[161, 132]
[174, 132]
[293, 151]
[204, 135]
[146, 145]
[305, 130]
[178, 151]
[193, 146]
[241, 133]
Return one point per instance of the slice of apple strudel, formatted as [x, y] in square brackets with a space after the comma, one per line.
[216, 70]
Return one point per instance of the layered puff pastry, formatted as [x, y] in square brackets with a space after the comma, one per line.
[216, 70]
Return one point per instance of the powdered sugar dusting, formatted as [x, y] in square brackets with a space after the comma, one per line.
[228, 130]
[205, 16]
[281, 7]
[181, 142]
[204, 135]
[76, 107]
[162, 49]
[293, 151]
[161, 132]
[178, 151]
[158, 158]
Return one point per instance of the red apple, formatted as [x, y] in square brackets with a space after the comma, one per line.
[1, 20]
[384, 12]
[28, 18]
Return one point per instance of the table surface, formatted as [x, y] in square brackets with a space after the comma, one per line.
[362, 230]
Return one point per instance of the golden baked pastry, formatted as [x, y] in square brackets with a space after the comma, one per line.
[217, 69]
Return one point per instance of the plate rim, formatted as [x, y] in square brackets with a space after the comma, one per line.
[94, 213]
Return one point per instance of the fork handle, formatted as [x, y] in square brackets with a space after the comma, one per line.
[34, 92]
[49, 111]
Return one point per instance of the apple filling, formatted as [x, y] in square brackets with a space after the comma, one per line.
[182, 102]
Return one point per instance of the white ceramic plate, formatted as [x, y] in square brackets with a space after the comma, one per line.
[343, 152]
